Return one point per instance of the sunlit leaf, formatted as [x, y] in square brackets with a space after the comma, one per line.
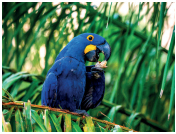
[28, 120]
[67, 123]
[19, 121]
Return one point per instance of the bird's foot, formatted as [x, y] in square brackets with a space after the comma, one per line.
[95, 72]
[98, 69]
[82, 112]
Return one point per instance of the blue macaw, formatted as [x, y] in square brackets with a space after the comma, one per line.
[70, 84]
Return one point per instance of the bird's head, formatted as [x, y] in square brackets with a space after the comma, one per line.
[95, 44]
[86, 47]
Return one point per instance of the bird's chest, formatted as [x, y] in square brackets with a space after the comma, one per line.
[74, 70]
[73, 75]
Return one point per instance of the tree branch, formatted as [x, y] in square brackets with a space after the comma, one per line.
[20, 104]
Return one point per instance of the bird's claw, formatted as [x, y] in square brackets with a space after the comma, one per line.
[98, 69]
[82, 112]
[95, 72]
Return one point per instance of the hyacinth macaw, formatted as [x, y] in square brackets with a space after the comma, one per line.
[70, 84]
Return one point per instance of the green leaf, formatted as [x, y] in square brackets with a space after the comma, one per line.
[38, 120]
[56, 121]
[5, 126]
[27, 113]
[46, 120]
[15, 88]
[172, 44]
[109, 15]
[89, 126]
[78, 120]
[101, 128]
[134, 91]
[161, 21]
[13, 78]
[76, 127]
[9, 126]
[19, 121]
[29, 92]
[133, 116]
[37, 128]
[6, 75]
[9, 114]
[60, 118]
[113, 112]
[37, 89]
[67, 122]
[172, 94]
[10, 80]
[8, 94]
[145, 70]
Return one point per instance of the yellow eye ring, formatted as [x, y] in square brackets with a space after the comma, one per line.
[90, 37]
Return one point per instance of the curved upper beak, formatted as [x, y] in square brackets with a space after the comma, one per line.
[105, 49]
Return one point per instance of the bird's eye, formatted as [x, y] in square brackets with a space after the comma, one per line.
[90, 38]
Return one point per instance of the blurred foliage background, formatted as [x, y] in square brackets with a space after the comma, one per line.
[140, 78]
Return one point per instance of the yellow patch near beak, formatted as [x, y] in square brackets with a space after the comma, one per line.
[89, 48]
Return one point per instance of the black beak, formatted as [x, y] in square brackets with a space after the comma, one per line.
[93, 55]
[105, 49]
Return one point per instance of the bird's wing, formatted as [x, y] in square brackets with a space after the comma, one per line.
[65, 84]
[49, 90]
[48, 97]
[94, 90]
